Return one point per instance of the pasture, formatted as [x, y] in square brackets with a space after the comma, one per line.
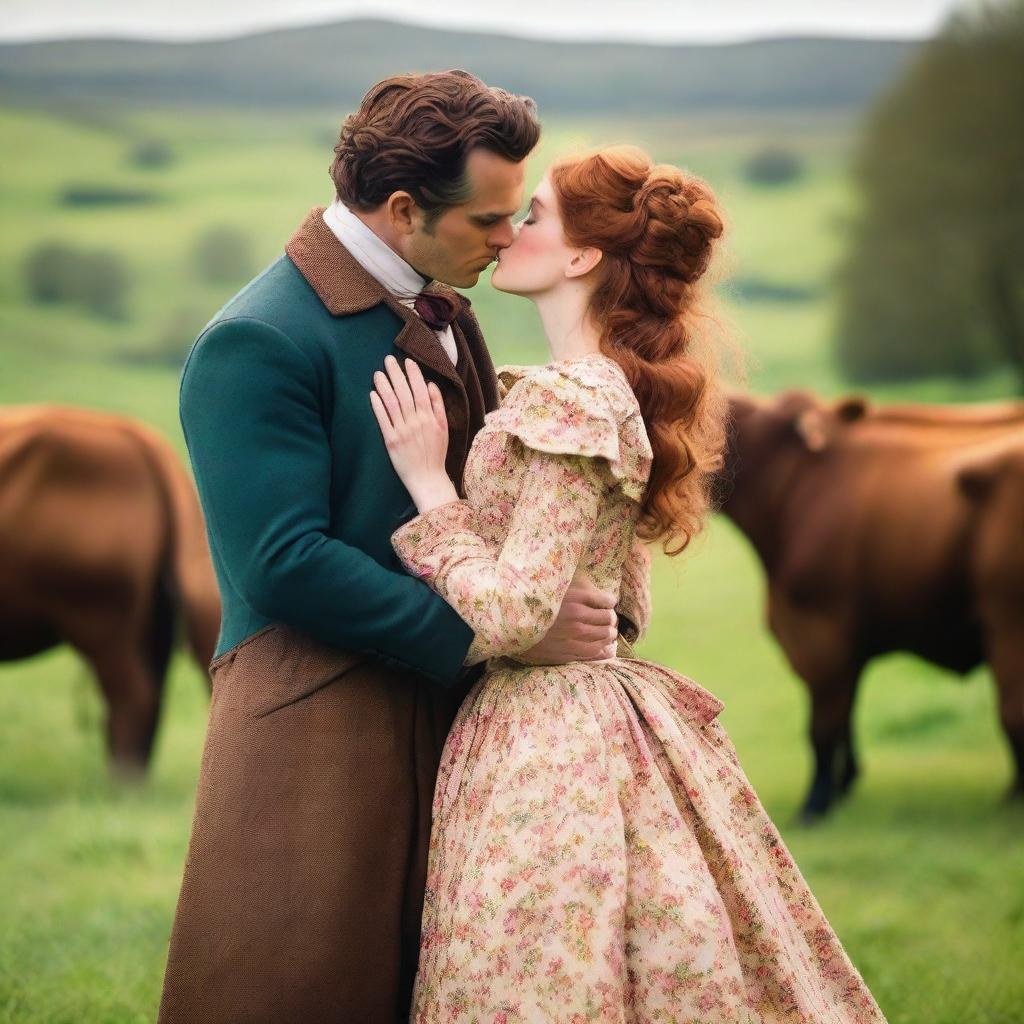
[920, 870]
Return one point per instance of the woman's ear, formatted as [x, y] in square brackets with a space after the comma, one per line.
[583, 261]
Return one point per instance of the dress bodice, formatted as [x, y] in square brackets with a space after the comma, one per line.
[580, 407]
[554, 481]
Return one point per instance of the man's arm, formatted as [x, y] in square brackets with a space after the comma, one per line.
[585, 629]
[250, 410]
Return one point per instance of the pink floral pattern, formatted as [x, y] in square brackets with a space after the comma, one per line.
[597, 853]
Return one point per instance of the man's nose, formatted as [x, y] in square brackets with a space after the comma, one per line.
[502, 237]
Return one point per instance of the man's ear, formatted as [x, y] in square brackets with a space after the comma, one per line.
[583, 261]
[402, 212]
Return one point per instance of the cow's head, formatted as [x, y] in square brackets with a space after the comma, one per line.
[818, 425]
[791, 417]
[767, 433]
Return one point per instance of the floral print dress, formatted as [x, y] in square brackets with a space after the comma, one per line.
[597, 852]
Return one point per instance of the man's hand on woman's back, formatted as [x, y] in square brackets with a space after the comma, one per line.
[586, 628]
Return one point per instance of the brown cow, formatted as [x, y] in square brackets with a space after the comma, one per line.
[102, 542]
[870, 545]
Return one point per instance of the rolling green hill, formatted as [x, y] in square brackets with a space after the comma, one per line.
[335, 63]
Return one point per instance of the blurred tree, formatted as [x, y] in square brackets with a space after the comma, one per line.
[103, 283]
[76, 194]
[933, 281]
[50, 270]
[170, 346]
[223, 255]
[180, 331]
[760, 289]
[97, 280]
[774, 165]
[152, 153]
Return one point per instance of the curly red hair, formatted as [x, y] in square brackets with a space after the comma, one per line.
[656, 228]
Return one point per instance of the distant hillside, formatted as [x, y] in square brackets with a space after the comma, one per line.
[334, 64]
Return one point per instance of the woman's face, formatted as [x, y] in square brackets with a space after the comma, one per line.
[537, 260]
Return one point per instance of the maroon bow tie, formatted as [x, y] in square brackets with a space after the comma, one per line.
[437, 310]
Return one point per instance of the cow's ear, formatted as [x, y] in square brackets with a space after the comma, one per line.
[811, 429]
[853, 407]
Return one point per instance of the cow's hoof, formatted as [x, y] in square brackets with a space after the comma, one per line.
[847, 784]
[1015, 794]
[809, 817]
[127, 774]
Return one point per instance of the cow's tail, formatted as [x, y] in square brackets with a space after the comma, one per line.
[193, 579]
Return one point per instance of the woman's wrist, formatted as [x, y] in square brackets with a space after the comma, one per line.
[432, 493]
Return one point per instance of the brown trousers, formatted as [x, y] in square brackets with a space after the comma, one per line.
[303, 884]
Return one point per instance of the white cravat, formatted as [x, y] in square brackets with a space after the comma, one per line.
[382, 263]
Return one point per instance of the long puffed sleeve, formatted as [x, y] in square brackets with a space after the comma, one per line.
[510, 601]
[567, 433]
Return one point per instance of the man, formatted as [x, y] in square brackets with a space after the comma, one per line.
[337, 675]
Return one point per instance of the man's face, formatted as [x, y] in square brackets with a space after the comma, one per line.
[465, 239]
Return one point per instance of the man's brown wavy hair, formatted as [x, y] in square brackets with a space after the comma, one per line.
[414, 133]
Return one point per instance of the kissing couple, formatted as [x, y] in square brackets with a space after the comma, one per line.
[437, 783]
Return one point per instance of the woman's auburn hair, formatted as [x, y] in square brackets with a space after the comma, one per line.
[656, 227]
[414, 133]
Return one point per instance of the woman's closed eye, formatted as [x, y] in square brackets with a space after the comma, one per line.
[530, 217]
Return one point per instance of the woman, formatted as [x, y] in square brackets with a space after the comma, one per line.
[597, 851]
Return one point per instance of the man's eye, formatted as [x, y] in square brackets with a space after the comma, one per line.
[529, 220]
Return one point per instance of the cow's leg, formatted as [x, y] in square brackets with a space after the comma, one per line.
[116, 646]
[821, 650]
[160, 640]
[1005, 652]
[847, 768]
[133, 698]
[835, 766]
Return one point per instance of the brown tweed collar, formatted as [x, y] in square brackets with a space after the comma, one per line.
[469, 391]
[344, 287]
[334, 273]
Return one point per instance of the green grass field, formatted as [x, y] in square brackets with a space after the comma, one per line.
[921, 871]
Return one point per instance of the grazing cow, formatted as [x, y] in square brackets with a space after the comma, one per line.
[102, 544]
[888, 529]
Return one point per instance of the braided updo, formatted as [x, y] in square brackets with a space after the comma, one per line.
[656, 228]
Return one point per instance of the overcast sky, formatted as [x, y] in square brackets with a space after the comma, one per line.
[652, 20]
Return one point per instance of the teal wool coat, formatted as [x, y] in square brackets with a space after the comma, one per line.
[298, 491]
